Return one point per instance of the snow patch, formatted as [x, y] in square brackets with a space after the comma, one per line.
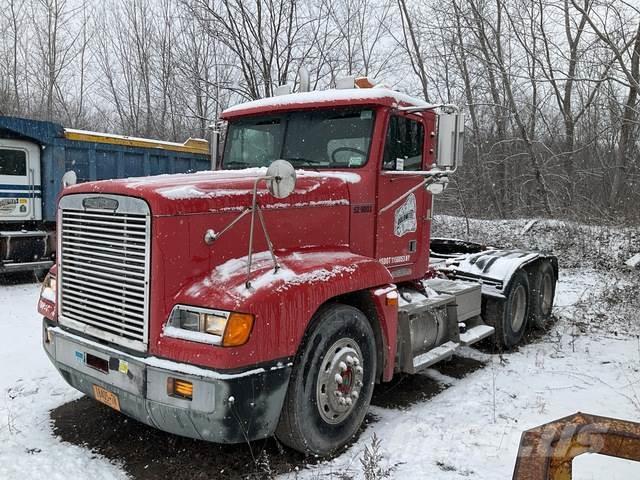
[348, 177]
[386, 291]
[199, 337]
[232, 267]
[633, 262]
[318, 203]
[136, 182]
[184, 192]
[331, 95]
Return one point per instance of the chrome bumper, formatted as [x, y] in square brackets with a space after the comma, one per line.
[226, 408]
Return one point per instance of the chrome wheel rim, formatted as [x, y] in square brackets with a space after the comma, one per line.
[518, 308]
[547, 294]
[340, 381]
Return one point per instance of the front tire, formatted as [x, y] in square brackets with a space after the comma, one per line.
[331, 382]
[509, 316]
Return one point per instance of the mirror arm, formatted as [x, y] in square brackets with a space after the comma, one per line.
[431, 176]
[277, 172]
[256, 208]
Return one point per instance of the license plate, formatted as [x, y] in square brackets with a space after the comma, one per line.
[105, 396]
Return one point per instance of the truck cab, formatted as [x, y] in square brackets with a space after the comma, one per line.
[270, 296]
[21, 205]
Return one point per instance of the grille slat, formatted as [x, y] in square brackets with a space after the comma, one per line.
[105, 318]
[85, 221]
[99, 230]
[100, 273]
[108, 305]
[121, 247]
[106, 216]
[106, 292]
[99, 268]
[92, 247]
[78, 252]
[104, 269]
[103, 261]
[109, 328]
[79, 232]
[85, 278]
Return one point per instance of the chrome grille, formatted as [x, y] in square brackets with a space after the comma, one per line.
[104, 269]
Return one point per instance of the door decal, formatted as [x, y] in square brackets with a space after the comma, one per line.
[405, 217]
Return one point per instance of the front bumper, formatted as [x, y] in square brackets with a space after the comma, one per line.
[226, 408]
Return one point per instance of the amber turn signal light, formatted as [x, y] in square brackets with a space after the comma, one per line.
[238, 329]
[392, 299]
[179, 388]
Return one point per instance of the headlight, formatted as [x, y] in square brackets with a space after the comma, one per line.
[216, 327]
[48, 291]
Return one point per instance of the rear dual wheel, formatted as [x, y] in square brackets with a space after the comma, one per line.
[331, 382]
[543, 290]
[509, 316]
[528, 299]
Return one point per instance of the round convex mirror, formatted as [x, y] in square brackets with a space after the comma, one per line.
[281, 179]
[69, 178]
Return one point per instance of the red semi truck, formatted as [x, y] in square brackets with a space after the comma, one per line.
[271, 295]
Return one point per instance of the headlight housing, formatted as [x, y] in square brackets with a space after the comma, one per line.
[48, 291]
[215, 327]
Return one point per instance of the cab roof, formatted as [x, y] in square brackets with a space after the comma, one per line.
[376, 96]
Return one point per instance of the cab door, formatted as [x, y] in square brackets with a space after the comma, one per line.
[400, 230]
[20, 190]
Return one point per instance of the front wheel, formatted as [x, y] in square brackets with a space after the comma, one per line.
[509, 316]
[331, 383]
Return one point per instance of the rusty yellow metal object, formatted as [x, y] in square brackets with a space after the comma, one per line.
[192, 145]
[547, 452]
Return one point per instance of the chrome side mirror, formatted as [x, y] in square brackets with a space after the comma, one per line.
[281, 179]
[450, 140]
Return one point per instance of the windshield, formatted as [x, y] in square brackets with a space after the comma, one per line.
[329, 138]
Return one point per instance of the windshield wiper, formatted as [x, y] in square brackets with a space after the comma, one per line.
[300, 160]
[236, 164]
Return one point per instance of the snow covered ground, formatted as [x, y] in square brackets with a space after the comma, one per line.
[473, 428]
[469, 430]
[29, 388]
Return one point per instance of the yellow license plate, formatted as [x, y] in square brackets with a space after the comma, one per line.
[105, 396]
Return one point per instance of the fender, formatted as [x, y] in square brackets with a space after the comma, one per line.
[282, 302]
[492, 267]
[388, 321]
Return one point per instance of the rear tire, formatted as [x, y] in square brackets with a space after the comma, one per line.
[331, 382]
[509, 316]
[543, 290]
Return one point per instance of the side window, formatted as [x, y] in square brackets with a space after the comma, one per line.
[403, 145]
[13, 162]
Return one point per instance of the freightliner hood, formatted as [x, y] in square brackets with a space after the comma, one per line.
[224, 191]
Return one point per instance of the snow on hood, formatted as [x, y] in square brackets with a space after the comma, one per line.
[226, 190]
[192, 190]
[191, 178]
[301, 267]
